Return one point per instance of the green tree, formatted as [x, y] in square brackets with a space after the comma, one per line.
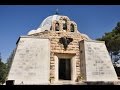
[5, 67]
[3, 71]
[0, 57]
[9, 60]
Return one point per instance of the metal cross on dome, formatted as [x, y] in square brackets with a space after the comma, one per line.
[56, 11]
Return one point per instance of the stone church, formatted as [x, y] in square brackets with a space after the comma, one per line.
[57, 53]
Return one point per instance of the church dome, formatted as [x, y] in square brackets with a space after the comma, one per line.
[48, 21]
[46, 24]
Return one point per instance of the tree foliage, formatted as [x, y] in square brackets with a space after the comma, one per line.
[9, 60]
[112, 39]
[5, 67]
[3, 72]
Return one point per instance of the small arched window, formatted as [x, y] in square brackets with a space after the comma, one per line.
[72, 28]
[57, 26]
[64, 24]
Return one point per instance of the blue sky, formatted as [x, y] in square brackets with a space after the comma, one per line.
[18, 20]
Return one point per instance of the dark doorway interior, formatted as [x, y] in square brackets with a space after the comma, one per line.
[10, 82]
[64, 69]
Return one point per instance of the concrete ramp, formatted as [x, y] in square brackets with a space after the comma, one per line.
[31, 63]
[96, 64]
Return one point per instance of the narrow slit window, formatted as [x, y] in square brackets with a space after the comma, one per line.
[64, 24]
[57, 27]
[72, 28]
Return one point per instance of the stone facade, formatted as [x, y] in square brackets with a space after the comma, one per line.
[53, 28]
[57, 48]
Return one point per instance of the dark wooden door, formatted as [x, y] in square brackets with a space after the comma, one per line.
[65, 69]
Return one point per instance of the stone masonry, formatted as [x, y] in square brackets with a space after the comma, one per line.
[57, 47]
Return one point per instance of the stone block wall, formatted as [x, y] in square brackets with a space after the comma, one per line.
[57, 47]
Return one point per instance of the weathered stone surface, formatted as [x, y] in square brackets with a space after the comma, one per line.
[31, 63]
[96, 64]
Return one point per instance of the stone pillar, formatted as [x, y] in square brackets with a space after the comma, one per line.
[68, 25]
[60, 25]
[53, 25]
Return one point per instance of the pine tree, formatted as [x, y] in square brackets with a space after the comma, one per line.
[3, 71]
